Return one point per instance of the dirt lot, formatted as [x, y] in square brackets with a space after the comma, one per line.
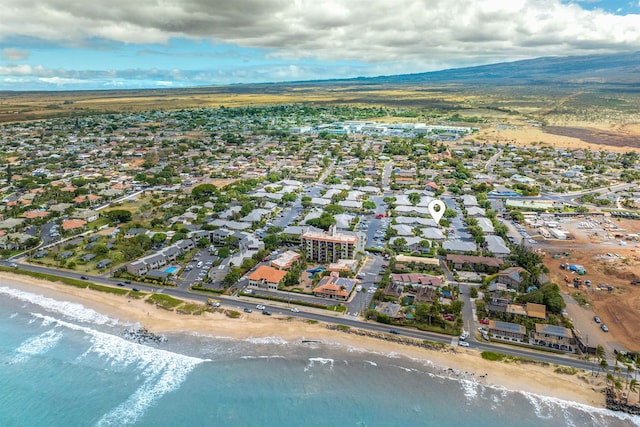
[606, 262]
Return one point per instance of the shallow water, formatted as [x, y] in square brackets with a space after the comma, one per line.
[64, 364]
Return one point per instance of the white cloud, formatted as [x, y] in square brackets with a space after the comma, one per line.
[422, 34]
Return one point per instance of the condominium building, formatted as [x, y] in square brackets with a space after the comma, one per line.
[331, 246]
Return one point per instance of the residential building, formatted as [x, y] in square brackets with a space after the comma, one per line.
[285, 260]
[556, 337]
[73, 224]
[266, 277]
[391, 309]
[507, 331]
[512, 277]
[332, 246]
[416, 279]
[334, 287]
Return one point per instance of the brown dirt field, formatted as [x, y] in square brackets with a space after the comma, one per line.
[607, 138]
[530, 135]
[619, 309]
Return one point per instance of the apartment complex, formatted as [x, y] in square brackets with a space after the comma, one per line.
[331, 246]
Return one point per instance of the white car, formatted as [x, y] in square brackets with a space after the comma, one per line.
[295, 310]
[463, 344]
[260, 307]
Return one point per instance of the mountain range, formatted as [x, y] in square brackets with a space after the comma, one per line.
[620, 69]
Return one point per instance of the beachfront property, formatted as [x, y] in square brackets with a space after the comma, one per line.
[334, 287]
[507, 331]
[266, 277]
[332, 246]
[160, 258]
[551, 336]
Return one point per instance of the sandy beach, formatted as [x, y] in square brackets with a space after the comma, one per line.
[541, 380]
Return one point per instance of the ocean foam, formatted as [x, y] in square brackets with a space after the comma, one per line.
[267, 340]
[74, 311]
[321, 360]
[162, 371]
[470, 389]
[539, 404]
[36, 345]
[370, 362]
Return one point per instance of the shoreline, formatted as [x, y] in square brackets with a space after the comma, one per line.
[580, 388]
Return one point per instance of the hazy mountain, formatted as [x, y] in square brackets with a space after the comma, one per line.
[618, 69]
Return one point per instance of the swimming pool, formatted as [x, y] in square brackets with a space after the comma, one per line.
[171, 269]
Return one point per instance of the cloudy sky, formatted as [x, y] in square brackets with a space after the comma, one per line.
[78, 44]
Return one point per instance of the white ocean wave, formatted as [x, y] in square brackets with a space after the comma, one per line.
[161, 371]
[267, 340]
[275, 356]
[36, 345]
[72, 310]
[542, 404]
[370, 362]
[470, 388]
[321, 360]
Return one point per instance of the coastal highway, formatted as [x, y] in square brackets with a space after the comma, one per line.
[329, 317]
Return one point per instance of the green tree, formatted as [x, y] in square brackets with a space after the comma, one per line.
[231, 278]
[100, 249]
[159, 238]
[119, 215]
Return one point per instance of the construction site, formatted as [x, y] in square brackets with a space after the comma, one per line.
[598, 264]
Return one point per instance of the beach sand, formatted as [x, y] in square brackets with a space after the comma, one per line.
[541, 380]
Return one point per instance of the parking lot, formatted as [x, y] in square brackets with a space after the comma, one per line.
[195, 272]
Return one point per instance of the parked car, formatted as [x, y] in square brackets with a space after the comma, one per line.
[266, 312]
[484, 321]
[604, 328]
[596, 319]
[248, 310]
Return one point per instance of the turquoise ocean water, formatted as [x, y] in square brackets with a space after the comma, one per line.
[62, 364]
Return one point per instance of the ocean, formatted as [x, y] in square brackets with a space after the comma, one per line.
[66, 365]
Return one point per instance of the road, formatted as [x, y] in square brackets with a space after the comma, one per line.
[328, 317]
[386, 175]
[491, 163]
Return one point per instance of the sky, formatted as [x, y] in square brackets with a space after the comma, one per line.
[118, 44]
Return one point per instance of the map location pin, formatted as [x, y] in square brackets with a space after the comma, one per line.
[436, 209]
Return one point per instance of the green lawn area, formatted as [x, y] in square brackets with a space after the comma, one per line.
[164, 301]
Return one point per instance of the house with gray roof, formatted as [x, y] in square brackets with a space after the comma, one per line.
[497, 246]
[458, 246]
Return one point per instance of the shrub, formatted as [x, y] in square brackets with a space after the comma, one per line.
[164, 301]
[490, 355]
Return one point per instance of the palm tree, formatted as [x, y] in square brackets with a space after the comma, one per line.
[633, 387]
[600, 355]
[604, 366]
